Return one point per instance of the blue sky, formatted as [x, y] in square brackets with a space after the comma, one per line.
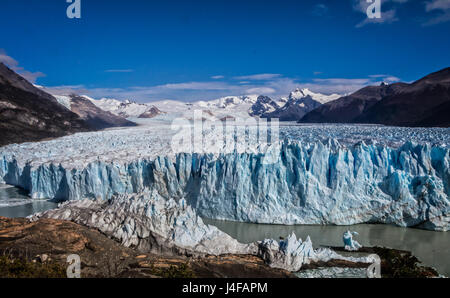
[190, 50]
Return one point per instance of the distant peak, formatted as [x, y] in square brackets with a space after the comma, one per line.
[300, 93]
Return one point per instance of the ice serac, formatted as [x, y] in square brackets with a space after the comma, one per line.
[150, 223]
[292, 253]
[310, 183]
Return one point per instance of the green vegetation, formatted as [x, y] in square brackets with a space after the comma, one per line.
[22, 268]
[181, 271]
[402, 264]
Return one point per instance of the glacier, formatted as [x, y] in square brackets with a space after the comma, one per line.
[313, 181]
[150, 223]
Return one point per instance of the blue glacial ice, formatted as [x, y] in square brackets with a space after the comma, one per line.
[312, 181]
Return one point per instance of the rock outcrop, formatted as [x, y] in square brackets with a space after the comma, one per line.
[30, 114]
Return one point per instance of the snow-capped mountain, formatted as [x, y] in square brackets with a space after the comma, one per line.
[222, 108]
[264, 105]
[305, 92]
[234, 101]
[95, 116]
[299, 103]
[228, 102]
[127, 108]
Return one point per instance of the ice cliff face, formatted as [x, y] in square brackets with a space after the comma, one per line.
[310, 183]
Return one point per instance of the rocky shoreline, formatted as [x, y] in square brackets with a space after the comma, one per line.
[145, 235]
[103, 257]
[50, 241]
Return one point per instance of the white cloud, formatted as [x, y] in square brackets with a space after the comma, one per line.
[31, 76]
[442, 7]
[14, 65]
[196, 86]
[437, 4]
[260, 90]
[387, 16]
[259, 77]
[193, 91]
[66, 89]
[385, 78]
[10, 61]
[320, 10]
[217, 77]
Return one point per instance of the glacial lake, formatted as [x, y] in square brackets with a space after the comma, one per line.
[432, 248]
[14, 202]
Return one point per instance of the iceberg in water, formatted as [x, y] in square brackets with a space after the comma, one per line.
[349, 243]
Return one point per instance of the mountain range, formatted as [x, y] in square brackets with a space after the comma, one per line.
[299, 103]
[127, 108]
[30, 114]
[425, 102]
[94, 116]
[37, 114]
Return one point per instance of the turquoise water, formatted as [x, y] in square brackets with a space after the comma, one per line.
[432, 248]
[14, 202]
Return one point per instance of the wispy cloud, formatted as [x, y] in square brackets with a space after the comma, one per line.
[442, 8]
[217, 77]
[196, 86]
[14, 65]
[191, 91]
[437, 4]
[258, 77]
[320, 10]
[260, 90]
[385, 78]
[387, 16]
[119, 70]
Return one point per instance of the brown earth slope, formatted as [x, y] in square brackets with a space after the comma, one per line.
[51, 240]
[425, 102]
[30, 114]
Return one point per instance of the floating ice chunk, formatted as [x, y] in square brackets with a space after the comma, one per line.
[349, 243]
[291, 254]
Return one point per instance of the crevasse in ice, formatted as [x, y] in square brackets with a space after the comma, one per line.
[310, 183]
